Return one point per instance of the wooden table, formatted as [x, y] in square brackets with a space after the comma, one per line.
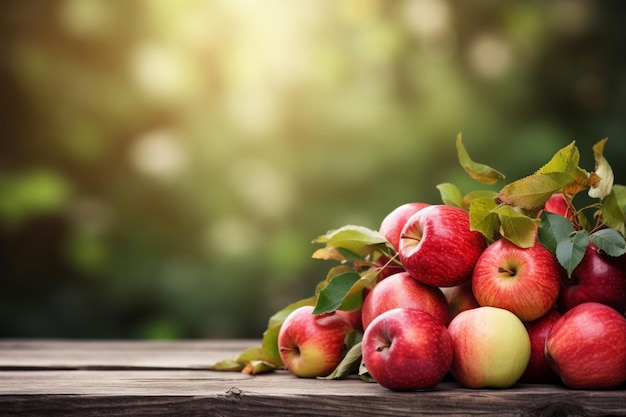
[86, 378]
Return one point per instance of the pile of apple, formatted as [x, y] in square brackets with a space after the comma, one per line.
[491, 289]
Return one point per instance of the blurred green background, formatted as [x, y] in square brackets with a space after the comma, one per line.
[164, 165]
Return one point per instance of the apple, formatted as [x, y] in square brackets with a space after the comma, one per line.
[586, 347]
[558, 205]
[407, 349]
[460, 298]
[401, 290]
[525, 281]
[597, 278]
[538, 370]
[312, 345]
[354, 317]
[392, 224]
[437, 246]
[491, 348]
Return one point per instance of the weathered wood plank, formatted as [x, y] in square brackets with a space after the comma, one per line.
[150, 389]
[55, 354]
[274, 406]
[146, 392]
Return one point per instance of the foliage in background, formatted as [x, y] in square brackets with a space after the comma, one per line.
[165, 165]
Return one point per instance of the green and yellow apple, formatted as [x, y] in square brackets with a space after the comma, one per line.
[491, 348]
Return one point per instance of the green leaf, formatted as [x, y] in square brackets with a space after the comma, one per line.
[516, 227]
[333, 272]
[450, 194]
[270, 343]
[610, 241]
[337, 292]
[279, 317]
[553, 229]
[349, 364]
[570, 251]
[364, 374]
[252, 360]
[612, 214]
[227, 365]
[257, 367]
[254, 354]
[349, 255]
[620, 195]
[473, 195]
[356, 239]
[482, 217]
[479, 172]
[532, 192]
[566, 160]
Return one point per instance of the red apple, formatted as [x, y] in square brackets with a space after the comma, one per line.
[312, 345]
[354, 317]
[392, 224]
[437, 246]
[558, 205]
[460, 298]
[401, 290]
[491, 348]
[587, 347]
[406, 349]
[597, 278]
[538, 371]
[525, 281]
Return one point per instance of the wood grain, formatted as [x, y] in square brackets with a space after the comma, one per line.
[171, 378]
[87, 354]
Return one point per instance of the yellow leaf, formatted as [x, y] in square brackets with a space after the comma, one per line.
[327, 254]
[479, 172]
[580, 184]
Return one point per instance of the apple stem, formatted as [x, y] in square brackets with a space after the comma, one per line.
[506, 270]
[403, 236]
[381, 348]
[284, 349]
